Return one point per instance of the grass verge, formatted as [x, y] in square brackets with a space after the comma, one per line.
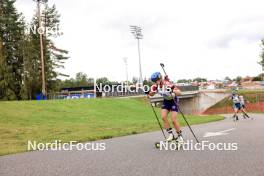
[79, 120]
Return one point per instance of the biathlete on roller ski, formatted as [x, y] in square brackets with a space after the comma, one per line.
[169, 92]
[243, 107]
[238, 105]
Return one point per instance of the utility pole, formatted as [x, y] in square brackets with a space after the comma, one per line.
[41, 47]
[137, 32]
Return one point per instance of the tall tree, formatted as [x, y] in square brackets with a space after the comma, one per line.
[54, 57]
[262, 54]
[11, 55]
[198, 79]
[238, 79]
[83, 80]
[32, 67]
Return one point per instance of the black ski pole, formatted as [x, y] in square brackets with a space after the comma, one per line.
[187, 122]
[162, 66]
[156, 117]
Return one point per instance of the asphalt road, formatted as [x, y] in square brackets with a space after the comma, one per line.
[136, 155]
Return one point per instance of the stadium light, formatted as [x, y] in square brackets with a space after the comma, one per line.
[137, 32]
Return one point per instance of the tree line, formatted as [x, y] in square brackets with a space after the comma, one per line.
[20, 64]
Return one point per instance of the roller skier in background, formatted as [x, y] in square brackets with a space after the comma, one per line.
[238, 104]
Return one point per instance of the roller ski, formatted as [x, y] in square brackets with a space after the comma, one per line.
[245, 115]
[171, 140]
[235, 118]
[250, 117]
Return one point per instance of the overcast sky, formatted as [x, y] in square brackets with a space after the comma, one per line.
[205, 38]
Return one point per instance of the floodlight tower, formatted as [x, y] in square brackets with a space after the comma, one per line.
[137, 32]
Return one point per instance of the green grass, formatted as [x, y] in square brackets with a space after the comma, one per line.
[78, 120]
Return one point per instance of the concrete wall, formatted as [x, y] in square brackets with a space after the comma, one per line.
[202, 101]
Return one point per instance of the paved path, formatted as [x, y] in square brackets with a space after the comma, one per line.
[135, 155]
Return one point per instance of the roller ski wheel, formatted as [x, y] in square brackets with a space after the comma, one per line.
[157, 145]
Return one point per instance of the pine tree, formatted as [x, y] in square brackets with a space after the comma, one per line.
[11, 57]
[53, 57]
[262, 54]
[20, 65]
[32, 68]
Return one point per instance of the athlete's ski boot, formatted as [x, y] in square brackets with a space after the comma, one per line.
[170, 137]
[179, 140]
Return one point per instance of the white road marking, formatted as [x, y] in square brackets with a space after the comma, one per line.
[219, 133]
